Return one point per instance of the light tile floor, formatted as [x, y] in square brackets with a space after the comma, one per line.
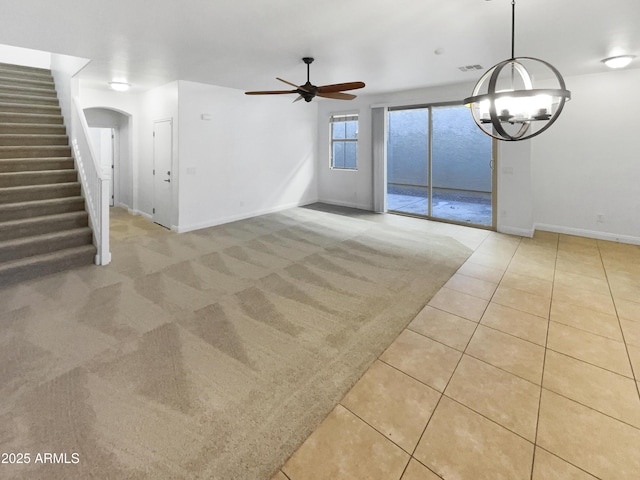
[524, 366]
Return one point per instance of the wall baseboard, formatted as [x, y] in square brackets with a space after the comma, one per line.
[579, 232]
[242, 216]
[520, 232]
[143, 214]
[340, 203]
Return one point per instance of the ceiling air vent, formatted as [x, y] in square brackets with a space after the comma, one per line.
[470, 68]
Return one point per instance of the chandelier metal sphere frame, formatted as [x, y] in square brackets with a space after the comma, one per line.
[504, 102]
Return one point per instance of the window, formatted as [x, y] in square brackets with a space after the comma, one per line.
[344, 141]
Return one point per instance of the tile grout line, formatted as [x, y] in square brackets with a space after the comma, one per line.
[460, 359]
[286, 476]
[517, 376]
[442, 394]
[575, 466]
[572, 400]
[544, 361]
[636, 378]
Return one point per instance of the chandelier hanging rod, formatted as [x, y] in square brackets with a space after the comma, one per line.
[513, 29]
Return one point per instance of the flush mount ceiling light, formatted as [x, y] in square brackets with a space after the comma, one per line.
[120, 86]
[620, 61]
[506, 105]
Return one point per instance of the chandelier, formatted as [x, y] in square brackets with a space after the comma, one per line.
[506, 105]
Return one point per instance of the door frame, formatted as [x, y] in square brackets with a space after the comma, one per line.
[429, 216]
[156, 174]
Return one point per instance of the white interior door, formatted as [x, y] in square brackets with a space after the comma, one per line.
[162, 179]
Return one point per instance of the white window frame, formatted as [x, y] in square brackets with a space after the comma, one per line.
[343, 117]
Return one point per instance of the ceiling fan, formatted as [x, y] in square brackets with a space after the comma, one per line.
[308, 91]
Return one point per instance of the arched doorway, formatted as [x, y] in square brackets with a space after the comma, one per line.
[101, 120]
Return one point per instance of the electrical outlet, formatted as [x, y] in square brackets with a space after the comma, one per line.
[600, 218]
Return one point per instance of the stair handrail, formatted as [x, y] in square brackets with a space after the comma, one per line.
[95, 182]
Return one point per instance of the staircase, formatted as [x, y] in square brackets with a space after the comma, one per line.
[43, 222]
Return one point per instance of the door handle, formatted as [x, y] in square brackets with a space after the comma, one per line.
[168, 181]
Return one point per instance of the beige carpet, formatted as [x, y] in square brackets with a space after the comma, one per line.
[206, 355]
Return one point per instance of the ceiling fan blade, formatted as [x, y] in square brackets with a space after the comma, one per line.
[338, 87]
[271, 92]
[285, 81]
[299, 87]
[297, 99]
[337, 95]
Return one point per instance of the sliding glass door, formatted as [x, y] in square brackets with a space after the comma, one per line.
[407, 161]
[440, 165]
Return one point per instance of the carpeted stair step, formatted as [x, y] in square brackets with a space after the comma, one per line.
[35, 151]
[27, 108]
[19, 179]
[44, 227]
[28, 99]
[28, 139]
[13, 78]
[35, 164]
[30, 227]
[32, 129]
[39, 265]
[24, 70]
[39, 192]
[12, 139]
[40, 208]
[39, 244]
[34, 91]
[36, 118]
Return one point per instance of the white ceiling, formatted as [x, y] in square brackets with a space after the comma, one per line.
[388, 44]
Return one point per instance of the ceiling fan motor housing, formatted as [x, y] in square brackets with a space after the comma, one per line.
[308, 91]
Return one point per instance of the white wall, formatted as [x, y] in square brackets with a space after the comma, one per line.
[252, 156]
[588, 162]
[355, 189]
[515, 201]
[25, 57]
[255, 154]
[142, 109]
[63, 69]
[350, 188]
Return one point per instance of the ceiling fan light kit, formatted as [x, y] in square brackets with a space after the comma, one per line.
[308, 92]
[505, 103]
